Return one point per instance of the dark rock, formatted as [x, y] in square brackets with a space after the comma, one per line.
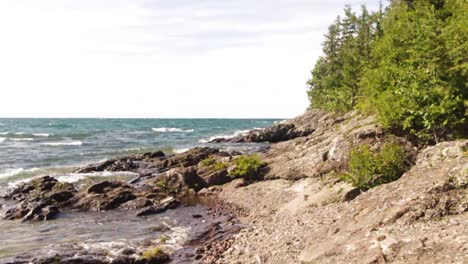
[187, 159]
[181, 180]
[105, 195]
[62, 196]
[166, 204]
[104, 186]
[137, 203]
[349, 196]
[38, 199]
[277, 133]
[152, 155]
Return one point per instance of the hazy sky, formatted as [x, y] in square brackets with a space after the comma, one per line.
[160, 58]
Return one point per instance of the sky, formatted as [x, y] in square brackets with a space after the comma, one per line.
[161, 58]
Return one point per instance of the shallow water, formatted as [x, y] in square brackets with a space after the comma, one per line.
[111, 231]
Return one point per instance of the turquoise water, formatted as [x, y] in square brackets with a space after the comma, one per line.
[30, 147]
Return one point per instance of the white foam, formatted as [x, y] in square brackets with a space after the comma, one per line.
[58, 144]
[280, 122]
[13, 172]
[177, 237]
[2, 139]
[20, 133]
[171, 129]
[235, 134]
[21, 139]
[75, 177]
[4, 133]
[181, 150]
[41, 135]
[10, 172]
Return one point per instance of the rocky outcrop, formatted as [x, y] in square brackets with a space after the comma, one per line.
[127, 163]
[420, 218]
[326, 149]
[152, 164]
[169, 178]
[300, 126]
[37, 200]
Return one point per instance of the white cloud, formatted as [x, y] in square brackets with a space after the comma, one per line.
[136, 58]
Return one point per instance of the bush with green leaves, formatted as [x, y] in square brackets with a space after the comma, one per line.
[155, 255]
[215, 164]
[247, 166]
[210, 161]
[369, 168]
[219, 165]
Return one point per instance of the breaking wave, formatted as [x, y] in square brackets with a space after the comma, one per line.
[235, 134]
[58, 144]
[171, 129]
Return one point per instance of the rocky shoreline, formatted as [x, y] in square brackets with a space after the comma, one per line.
[283, 205]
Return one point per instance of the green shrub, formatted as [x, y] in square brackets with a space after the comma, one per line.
[247, 167]
[368, 168]
[219, 165]
[208, 161]
[216, 164]
[155, 255]
[161, 184]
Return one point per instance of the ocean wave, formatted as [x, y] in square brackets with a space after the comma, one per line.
[235, 134]
[14, 134]
[35, 173]
[67, 143]
[21, 139]
[76, 177]
[182, 150]
[8, 173]
[41, 134]
[2, 139]
[171, 129]
[280, 121]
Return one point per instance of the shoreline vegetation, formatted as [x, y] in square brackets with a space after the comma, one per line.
[376, 171]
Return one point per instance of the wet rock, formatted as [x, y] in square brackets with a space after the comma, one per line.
[152, 155]
[105, 195]
[151, 164]
[127, 163]
[38, 199]
[165, 204]
[104, 186]
[137, 203]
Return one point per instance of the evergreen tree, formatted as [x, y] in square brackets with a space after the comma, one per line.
[412, 85]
